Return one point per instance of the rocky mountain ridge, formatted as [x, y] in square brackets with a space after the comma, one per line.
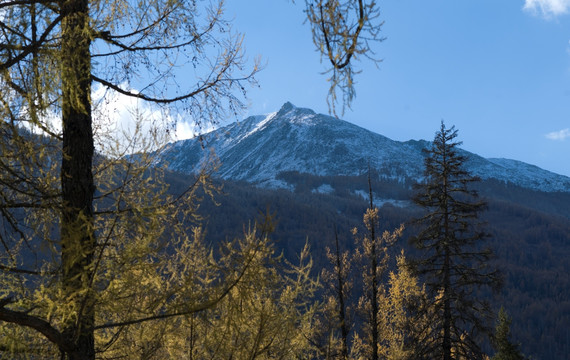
[259, 148]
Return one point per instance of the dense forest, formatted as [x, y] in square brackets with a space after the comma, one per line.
[530, 236]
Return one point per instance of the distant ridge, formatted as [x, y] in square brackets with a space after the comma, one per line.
[260, 147]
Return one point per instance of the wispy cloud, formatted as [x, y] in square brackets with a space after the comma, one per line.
[558, 135]
[547, 8]
[128, 125]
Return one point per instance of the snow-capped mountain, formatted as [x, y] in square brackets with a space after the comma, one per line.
[258, 148]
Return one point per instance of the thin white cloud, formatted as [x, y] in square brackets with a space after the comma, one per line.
[547, 8]
[129, 125]
[559, 135]
[188, 130]
[125, 125]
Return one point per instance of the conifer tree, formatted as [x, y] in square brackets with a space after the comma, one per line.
[372, 254]
[344, 31]
[56, 191]
[403, 326]
[337, 309]
[506, 350]
[386, 321]
[453, 261]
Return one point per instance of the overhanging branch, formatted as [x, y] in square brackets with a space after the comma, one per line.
[40, 325]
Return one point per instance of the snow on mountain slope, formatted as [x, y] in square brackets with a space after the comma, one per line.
[529, 176]
[258, 148]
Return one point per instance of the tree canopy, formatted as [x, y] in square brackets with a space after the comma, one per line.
[506, 350]
[453, 259]
[94, 244]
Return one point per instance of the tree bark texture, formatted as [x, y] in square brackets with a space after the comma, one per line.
[77, 237]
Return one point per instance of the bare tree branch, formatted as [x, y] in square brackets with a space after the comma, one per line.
[40, 325]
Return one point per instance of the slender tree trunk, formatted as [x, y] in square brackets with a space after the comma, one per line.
[374, 264]
[77, 237]
[375, 334]
[446, 272]
[446, 310]
[341, 300]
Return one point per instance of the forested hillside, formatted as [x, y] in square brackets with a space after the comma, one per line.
[530, 237]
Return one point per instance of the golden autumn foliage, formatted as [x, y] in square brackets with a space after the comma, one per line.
[93, 245]
[385, 320]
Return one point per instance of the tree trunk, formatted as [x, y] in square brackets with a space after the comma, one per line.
[446, 309]
[77, 236]
[375, 334]
[341, 305]
[374, 264]
[446, 264]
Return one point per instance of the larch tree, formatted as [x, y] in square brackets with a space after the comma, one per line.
[454, 261]
[344, 31]
[403, 324]
[337, 309]
[372, 255]
[266, 316]
[94, 245]
[386, 320]
[59, 236]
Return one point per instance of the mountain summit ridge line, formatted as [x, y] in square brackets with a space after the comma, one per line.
[260, 147]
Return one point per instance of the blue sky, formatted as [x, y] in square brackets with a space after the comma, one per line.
[497, 70]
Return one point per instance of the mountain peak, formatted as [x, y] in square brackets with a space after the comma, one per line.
[298, 139]
[287, 107]
[294, 114]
